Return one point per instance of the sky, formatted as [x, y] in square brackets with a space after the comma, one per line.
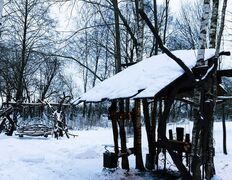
[65, 16]
[63, 12]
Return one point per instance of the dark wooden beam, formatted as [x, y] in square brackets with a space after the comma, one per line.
[128, 64]
[174, 145]
[227, 73]
[162, 126]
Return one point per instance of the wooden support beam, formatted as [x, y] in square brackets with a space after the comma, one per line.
[184, 172]
[224, 129]
[227, 73]
[162, 130]
[111, 115]
[128, 64]
[122, 132]
[174, 145]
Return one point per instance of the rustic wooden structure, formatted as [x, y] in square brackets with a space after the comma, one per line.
[181, 88]
[157, 103]
[33, 123]
[156, 109]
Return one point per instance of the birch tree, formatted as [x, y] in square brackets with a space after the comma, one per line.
[209, 167]
[203, 32]
[221, 29]
[205, 97]
[139, 54]
[198, 99]
[213, 24]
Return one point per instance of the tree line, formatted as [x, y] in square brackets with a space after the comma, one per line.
[110, 36]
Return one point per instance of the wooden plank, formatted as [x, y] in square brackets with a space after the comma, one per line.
[226, 72]
[174, 145]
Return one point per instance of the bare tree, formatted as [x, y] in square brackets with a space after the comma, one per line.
[48, 71]
[28, 28]
[186, 27]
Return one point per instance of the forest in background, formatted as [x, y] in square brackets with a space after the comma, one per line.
[34, 53]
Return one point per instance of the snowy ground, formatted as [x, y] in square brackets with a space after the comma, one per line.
[80, 158]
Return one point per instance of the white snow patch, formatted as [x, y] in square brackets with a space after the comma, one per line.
[31, 158]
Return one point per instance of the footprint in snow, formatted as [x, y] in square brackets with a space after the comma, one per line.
[33, 160]
[88, 154]
[226, 165]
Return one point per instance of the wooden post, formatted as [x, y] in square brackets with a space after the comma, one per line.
[153, 128]
[138, 136]
[160, 111]
[112, 116]
[224, 129]
[170, 134]
[187, 139]
[149, 157]
[122, 132]
[180, 137]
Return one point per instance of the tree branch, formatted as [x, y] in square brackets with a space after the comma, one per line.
[126, 25]
[72, 58]
[80, 63]
[163, 48]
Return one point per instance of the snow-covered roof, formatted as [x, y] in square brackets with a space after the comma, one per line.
[144, 79]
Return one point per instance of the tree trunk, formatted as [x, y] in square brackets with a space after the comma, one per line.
[140, 30]
[166, 20]
[125, 162]
[139, 53]
[155, 43]
[147, 123]
[196, 148]
[199, 98]
[138, 137]
[222, 24]
[117, 38]
[19, 93]
[209, 154]
[203, 32]
[213, 24]
[153, 130]
[150, 138]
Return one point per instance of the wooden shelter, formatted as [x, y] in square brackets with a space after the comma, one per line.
[162, 80]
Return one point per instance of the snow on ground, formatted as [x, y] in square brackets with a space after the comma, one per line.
[31, 158]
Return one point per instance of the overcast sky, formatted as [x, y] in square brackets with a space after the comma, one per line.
[63, 14]
[67, 20]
